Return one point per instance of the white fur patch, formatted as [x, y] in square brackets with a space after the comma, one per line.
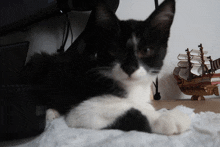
[171, 122]
[51, 114]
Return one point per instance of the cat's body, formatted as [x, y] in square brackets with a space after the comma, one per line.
[103, 80]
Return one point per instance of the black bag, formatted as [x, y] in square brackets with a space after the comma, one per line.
[21, 114]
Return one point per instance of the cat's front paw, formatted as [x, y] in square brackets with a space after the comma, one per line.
[51, 114]
[172, 122]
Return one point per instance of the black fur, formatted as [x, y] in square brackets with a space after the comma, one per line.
[131, 120]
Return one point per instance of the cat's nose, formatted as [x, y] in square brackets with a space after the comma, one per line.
[129, 69]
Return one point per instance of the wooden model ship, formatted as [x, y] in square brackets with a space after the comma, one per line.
[196, 75]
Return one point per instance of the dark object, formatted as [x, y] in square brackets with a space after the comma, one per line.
[85, 5]
[157, 94]
[21, 114]
[156, 4]
[13, 58]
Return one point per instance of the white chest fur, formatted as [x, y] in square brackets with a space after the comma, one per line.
[139, 93]
[100, 111]
[137, 86]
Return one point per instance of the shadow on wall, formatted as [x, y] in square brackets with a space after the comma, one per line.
[46, 36]
[169, 88]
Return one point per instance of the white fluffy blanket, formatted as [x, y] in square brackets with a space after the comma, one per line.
[204, 132]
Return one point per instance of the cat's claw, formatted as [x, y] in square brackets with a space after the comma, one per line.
[51, 114]
[172, 122]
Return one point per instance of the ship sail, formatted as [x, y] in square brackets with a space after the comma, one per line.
[194, 63]
[183, 63]
[182, 57]
[197, 52]
[197, 59]
[184, 73]
[197, 69]
[215, 64]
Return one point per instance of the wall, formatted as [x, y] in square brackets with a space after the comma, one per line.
[195, 22]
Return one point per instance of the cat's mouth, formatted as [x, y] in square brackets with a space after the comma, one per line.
[154, 71]
[131, 79]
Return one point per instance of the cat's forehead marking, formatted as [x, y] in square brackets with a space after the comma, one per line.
[133, 41]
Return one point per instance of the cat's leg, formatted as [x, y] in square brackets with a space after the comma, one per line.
[168, 123]
[51, 114]
[103, 113]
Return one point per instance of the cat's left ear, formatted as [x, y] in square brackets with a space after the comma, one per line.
[161, 19]
[103, 17]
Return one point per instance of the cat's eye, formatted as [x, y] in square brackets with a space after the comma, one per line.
[112, 53]
[96, 55]
[146, 52]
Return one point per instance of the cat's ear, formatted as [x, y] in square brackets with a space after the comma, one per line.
[160, 21]
[102, 16]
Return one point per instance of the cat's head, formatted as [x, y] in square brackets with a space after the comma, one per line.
[133, 49]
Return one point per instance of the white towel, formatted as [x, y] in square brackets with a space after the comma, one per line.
[204, 132]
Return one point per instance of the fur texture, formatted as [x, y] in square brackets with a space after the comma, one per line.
[103, 80]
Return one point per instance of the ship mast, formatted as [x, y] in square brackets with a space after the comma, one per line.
[202, 60]
[190, 64]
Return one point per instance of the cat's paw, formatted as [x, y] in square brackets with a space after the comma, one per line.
[172, 122]
[51, 114]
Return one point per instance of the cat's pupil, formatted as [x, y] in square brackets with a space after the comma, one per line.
[148, 52]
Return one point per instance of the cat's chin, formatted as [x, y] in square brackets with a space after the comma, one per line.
[139, 76]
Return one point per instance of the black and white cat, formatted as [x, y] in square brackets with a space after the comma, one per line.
[103, 80]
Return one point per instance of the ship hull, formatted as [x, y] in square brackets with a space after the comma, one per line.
[199, 86]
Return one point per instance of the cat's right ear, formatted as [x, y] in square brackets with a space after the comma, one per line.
[103, 17]
[160, 21]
